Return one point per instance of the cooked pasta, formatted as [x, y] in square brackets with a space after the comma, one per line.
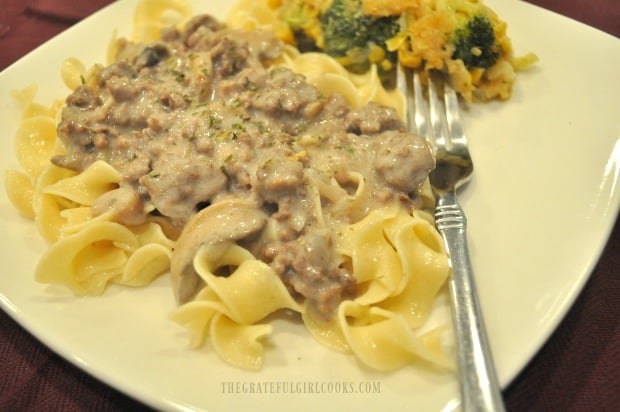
[311, 196]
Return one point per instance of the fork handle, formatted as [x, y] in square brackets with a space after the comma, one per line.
[480, 390]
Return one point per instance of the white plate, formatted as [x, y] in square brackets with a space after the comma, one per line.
[541, 206]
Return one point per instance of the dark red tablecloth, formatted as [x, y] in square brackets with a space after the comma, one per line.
[576, 370]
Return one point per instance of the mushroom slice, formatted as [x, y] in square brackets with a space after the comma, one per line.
[227, 220]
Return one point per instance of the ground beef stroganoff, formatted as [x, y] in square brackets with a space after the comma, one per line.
[197, 118]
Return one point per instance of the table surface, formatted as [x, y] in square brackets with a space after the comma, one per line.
[576, 370]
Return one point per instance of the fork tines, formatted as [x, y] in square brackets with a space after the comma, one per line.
[437, 119]
[422, 107]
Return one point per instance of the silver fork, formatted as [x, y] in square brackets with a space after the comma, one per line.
[480, 390]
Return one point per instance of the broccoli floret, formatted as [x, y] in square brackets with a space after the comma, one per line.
[343, 26]
[475, 44]
[348, 32]
[301, 17]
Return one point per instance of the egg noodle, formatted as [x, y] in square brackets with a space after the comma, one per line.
[395, 254]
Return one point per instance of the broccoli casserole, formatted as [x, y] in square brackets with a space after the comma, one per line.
[464, 38]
